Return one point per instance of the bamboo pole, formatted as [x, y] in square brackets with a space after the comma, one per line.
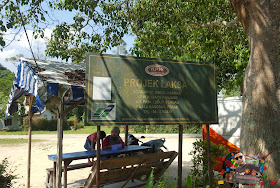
[209, 158]
[59, 145]
[180, 156]
[30, 114]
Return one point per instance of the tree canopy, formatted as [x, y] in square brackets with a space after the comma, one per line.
[90, 29]
[204, 31]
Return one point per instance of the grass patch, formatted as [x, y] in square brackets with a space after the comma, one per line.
[191, 129]
[12, 141]
[89, 130]
[85, 130]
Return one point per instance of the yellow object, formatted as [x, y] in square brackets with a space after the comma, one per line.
[220, 182]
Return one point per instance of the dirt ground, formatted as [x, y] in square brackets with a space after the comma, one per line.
[17, 156]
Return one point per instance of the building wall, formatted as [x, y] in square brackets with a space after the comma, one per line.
[229, 113]
[2, 124]
[48, 115]
[11, 124]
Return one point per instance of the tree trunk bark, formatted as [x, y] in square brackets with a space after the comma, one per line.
[261, 98]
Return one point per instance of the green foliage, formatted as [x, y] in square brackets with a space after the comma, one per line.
[150, 180]
[77, 113]
[232, 93]
[161, 182]
[14, 59]
[4, 72]
[96, 25]
[6, 82]
[40, 123]
[189, 182]
[199, 170]
[6, 176]
[86, 130]
[139, 128]
[181, 30]
[193, 31]
[187, 129]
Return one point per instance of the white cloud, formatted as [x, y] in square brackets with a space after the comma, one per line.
[23, 40]
[48, 33]
[6, 54]
[20, 45]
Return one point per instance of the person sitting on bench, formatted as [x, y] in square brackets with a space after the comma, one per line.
[91, 142]
[113, 139]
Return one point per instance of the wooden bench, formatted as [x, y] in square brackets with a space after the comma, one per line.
[139, 167]
[50, 171]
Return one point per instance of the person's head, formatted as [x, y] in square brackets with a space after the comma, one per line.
[115, 132]
[102, 134]
[239, 158]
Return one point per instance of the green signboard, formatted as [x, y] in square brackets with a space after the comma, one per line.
[122, 90]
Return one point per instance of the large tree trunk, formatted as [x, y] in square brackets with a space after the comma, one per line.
[260, 128]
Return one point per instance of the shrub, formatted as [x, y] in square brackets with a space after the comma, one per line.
[42, 124]
[187, 129]
[130, 128]
[199, 169]
[80, 125]
[139, 128]
[6, 176]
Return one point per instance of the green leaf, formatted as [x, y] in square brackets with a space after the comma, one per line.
[150, 180]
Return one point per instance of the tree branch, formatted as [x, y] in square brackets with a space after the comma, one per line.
[13, 37]
[5, 3]
[214, 23]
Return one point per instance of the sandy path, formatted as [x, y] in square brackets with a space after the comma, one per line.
[17, 156]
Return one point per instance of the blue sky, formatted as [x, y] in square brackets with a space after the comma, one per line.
[20, 44]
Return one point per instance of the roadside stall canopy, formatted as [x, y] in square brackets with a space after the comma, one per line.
[54, 85]
[46, 80]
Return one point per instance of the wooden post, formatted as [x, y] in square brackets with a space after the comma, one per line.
[98, 158]
[30, 114]
[126, 134]
[180, 156]
[209, 158]
[59, 145]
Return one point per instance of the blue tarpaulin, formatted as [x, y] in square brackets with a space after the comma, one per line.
[45, 80]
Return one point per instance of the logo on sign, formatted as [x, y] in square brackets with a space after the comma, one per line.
[157, 70]
[104, 111]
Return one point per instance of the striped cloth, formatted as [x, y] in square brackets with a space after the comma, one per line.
[25, 82]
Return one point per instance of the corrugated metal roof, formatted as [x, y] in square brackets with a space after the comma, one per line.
[58, 72]
[45, 80]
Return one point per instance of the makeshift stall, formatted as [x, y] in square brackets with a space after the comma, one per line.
[55, 85]
[121, 90]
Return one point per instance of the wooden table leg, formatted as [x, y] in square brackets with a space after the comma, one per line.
[54, 174]
[66, 164]
[65, 174]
